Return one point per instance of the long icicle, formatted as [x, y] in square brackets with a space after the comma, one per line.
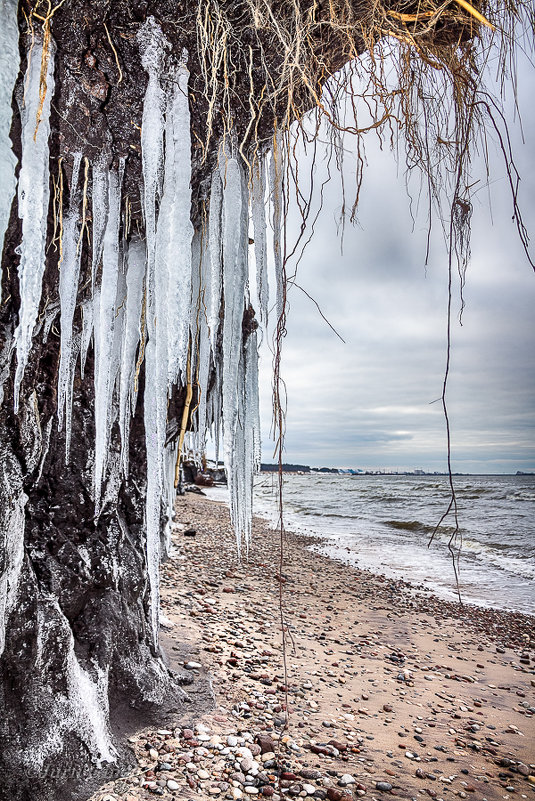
[33, 196]
[9, 69]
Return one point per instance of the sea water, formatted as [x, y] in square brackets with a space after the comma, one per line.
[384, 523]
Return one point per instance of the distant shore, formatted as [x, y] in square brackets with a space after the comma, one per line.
[390, 692]
[304, 468]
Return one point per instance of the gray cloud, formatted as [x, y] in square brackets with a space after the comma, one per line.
[369, 403]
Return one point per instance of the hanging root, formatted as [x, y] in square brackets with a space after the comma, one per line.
[143, 340]
[57, 210]
[84, 205]
[45, 53]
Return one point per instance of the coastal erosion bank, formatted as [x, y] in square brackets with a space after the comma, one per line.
[389, 692]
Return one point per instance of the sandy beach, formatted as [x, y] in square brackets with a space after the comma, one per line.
[389, 691]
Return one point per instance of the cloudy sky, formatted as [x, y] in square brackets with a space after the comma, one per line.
[368, 403]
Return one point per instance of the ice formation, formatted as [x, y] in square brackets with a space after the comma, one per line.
[69, 276]
[33, 197]
[213, 301]
[175, 229]
[12, 530]
[135, 278]
[171, 301]
[258, 213]
[276, 178]
[82, 706]
[235, 224]
[9, 69]
[105, 323]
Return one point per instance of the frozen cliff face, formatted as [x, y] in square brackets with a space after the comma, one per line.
[164, 305]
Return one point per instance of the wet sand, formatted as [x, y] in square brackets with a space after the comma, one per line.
[389, 691]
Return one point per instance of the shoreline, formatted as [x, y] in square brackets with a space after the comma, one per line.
[422, 698]
[309, 538]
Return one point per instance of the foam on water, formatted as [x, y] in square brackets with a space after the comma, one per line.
[384, 523]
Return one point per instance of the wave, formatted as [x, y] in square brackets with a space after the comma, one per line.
[412, 525]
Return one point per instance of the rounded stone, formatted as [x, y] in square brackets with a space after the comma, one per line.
[383, 787]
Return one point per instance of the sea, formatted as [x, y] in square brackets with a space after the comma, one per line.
[384, 523]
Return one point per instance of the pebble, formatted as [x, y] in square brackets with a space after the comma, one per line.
[306, 773]
[266, 743]
[383, 787]
[246, 758]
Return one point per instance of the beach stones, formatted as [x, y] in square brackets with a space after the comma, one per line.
[252, 696]
[383, 787]
[266, 743]
[335, 795]
[308, 773]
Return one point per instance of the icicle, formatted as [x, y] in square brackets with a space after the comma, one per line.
[175, 230]
[258, 209]
[33, 197]
[154, 478]
[213, 300]
[132, 332]
[276, 176]
[200, 335]
[118, 330]
[235, 245]
[69, 274]
[170, 457]
[217, 394]
[87, 330]
[252, 403]
[9, 69]
[152, 45]
[100, 207]
[204, 354]
[104, 329]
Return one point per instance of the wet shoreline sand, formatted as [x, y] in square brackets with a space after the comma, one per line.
[390, 691]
